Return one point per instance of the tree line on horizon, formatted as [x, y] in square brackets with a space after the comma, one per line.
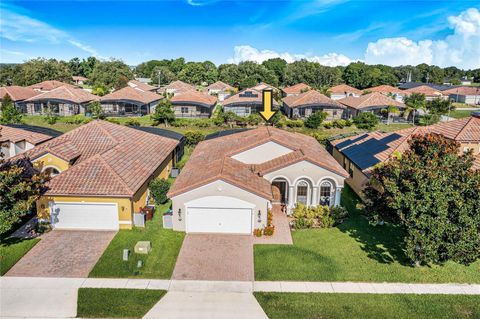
[114, 74]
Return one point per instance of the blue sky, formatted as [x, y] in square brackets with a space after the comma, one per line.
[329, 31]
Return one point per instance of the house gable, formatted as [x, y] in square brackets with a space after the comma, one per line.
[50, 160]
[262, 153]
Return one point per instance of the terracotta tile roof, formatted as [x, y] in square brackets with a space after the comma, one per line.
[131, 94]
[310, 98]
[14, 134]
[424, 89]
[254, 97]
[385, 89]
[219, 85]
[108, 159]
[369, 149]
[65, 93]
[79, 78]
[141, 86]
[194, 97]
[374, 99]
[344, 89]
[178, 86]
[463, 90]
[296, 89]
[212, 160]
[49, 85]
[17, 93]
[263, 86]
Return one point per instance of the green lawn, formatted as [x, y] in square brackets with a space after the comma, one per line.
[317, 305]
[459, 113]
[12, 249]
[159, 263]
[116, 303]
[352, 251]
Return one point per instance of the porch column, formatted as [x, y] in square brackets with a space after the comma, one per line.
[338, 194]
[291, 194]
[314, 201]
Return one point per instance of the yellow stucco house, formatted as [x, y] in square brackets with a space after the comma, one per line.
[100, 173]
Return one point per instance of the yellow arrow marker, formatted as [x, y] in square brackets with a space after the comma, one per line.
[267, 99]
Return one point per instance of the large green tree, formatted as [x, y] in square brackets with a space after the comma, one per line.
[112, 74]
[163, 113]
[199, 72]
[433, 193]
[278, 66]
[9, 114]
[38, 70]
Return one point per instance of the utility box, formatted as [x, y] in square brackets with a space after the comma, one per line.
[126, 252]
[142, 247]
[167, 220]
[139, 219]
[174, 173]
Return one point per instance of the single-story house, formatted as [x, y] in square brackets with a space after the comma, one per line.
[263, 86]
[176, 87]
[360, 153]
[372, 102]
[388, 90]
[295, 89]
[100, 174]
[142, 86]
[464, 94]
[193, 104]
[130, 101]
[63, 101]
[79, 80]
[18, 138]
[429, 92]
[49, 85]
[341, 91]
[230, 182]
[410, 85]
[220, 89]
[246, 102]
[305, 104]
[18, 95]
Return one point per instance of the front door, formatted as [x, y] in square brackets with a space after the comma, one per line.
[279, 190]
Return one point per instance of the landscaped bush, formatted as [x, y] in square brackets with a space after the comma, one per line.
[132, 122]
[294, 123]
[193, 137]
[269, 230]
[348, 123]
[339, 123]
[328, 125]
[159, 188]
[315, 120]
[112, 120]
[51, 118]
[257, 232]
[77, 119]
[366, 121]
[318, 217]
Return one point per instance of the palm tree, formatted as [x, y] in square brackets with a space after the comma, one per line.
[414, 102]
[392, 109]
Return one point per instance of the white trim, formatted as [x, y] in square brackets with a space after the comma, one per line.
[125, 222]
[303, 177]
[331, 179]
[280, 176]
[218, 202]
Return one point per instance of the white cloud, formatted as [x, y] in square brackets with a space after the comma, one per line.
[19, 27]
[461, 49]
[249, 53]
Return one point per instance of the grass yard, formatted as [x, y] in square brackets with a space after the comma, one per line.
[316, 305]
[116, 303]
[352, 251]
[159, 263]
[459, 113]
[12, 249]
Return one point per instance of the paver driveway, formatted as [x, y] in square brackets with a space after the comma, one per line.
[63, 253]
[215, 257]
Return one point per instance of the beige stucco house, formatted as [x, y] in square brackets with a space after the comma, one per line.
[231, 182]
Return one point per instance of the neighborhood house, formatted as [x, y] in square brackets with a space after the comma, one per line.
[220, 89]
[193, 104]
[305, 104]
[17, 138]
[18, 95]
[375, 102]
[130, 101]
[245, 102]
[230, 182]
[341, 91]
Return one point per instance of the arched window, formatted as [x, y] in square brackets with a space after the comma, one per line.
[302, 192]
[326, 192]
[52, 171]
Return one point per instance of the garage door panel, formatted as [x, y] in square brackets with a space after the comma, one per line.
[97, 216]
[219, 220]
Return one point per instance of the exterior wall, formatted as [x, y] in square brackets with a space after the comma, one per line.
[244, 109]
[128, 108]
[49, 160]
[467, 99]
[192, 111]
[262, 153]
[304, 112]
[338, 96]
[64, 109]
[125, 212]
[219, 188]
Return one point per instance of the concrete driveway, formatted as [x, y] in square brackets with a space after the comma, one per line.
[215, 257]
[63, 253]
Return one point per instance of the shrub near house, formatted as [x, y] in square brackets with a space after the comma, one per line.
[318, 217]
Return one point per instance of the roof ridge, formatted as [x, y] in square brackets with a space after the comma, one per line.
[113, 172]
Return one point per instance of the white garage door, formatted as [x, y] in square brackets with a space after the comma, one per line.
[219, 220]
[97, 216]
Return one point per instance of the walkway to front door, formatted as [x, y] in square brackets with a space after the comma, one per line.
[282, 229]
[215, 257]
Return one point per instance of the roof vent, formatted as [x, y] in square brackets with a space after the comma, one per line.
[476, 114]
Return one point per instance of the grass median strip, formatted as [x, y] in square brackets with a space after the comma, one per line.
[12, 250]
[317, 305]
[116, 303]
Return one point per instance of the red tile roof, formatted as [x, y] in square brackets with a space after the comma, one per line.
[424, 89]
[296, 89]
[65, 93]
[142, 86]
[463, 90]
[108, 159]
[385, 89]
[212, 160]
[310, 98]
[131, 94]
[374, 99]
[219, 85]
[178, 86]
[462, 130]
[263, 86]
[344, 89]
[194, 97]
[49, 85]
[13, 134]
[241, 97]
[17, 93]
